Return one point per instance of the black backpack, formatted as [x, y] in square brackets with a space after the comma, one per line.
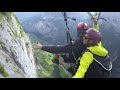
[101, 67]
[104, 63]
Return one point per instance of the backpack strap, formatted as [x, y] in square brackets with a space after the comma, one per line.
[105, 62]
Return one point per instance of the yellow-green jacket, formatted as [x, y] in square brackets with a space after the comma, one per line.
[87, 57]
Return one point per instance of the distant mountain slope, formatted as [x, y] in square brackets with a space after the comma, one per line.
[50, 26]
[24, 15]
[111, 38]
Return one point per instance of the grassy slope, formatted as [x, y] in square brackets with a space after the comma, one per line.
[49, 70]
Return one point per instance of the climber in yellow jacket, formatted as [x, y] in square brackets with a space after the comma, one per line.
[94, 62]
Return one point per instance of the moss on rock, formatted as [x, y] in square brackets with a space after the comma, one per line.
[1, 16]
[7, 14]
[1, 42]
[2, 71]
[15, 34]
[22, 32]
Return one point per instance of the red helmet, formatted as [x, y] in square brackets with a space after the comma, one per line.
[93, 35]
[82, 27]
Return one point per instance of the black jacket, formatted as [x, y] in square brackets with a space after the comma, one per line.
[77, 46]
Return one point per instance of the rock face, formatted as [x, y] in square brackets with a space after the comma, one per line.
[16, 56]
